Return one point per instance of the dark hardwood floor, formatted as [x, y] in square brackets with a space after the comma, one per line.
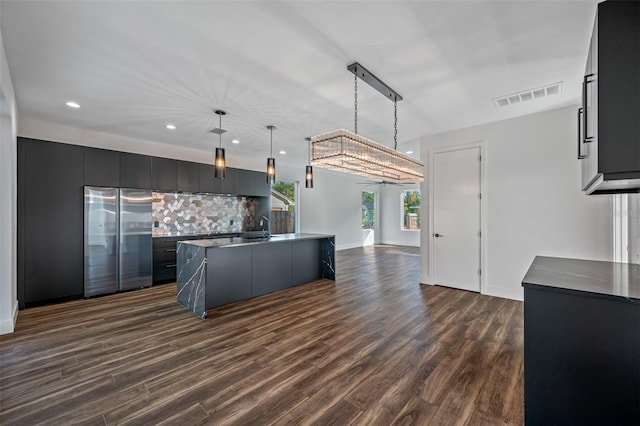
[373, 348]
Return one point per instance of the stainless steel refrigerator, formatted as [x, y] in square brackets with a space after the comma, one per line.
[117, 240]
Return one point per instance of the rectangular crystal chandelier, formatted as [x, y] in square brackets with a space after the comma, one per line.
[348, 152]
[345, 151]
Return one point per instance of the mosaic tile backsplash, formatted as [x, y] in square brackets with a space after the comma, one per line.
[184, 213]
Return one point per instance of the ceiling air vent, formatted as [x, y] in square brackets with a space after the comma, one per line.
[529, 95]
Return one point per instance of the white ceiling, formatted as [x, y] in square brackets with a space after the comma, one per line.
[136, 66]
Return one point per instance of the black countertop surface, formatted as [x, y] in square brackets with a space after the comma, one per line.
[243, 241]
[605, 278]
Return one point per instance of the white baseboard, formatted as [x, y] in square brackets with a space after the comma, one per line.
[425, 279]
[505, 293]
[348, 246]
[401, 243]
[8, 325]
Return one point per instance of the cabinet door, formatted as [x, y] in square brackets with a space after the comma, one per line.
[164, 174]
[208, 182]
[270, 267]
[53, 242]
[589, 115]
[135, 171]
[616, 63]
[188, 176]
[229, 185]
[246, 182]
[263, 189]
[228, 275]
[101, 167]
[307, 261]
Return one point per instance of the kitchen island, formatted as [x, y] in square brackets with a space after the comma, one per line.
[581, 342]
[214, 272]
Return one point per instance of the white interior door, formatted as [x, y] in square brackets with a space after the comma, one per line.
[456, 218]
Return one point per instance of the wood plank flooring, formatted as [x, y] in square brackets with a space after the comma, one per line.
[373, 348]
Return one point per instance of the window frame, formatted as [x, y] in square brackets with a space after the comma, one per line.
[374, 220]
[402, 228]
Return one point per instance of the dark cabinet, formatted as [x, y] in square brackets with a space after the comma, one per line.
[135, 171]
[229, 185]
[164, 258]
[101, 167]
[271, 267]
[52, 197]
[188, 176]
[164, 174]
[246, 182]
[208, 182]
[581, 343]
[262, 188]
[305, 264]
[608, 125]
[230, 276]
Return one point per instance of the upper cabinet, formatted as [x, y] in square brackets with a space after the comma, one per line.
[101, 167]
[188, 176]
[135, 171]
[608, 120]
[208, 182]
[164, 174]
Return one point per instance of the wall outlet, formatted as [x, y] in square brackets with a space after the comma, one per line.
[156, 224]
[231, 222]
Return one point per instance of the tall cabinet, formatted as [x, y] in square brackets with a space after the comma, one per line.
[608, 123]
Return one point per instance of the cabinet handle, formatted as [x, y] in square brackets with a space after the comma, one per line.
[580, 156]
[585, 120]
[171, 250]
[170, 266]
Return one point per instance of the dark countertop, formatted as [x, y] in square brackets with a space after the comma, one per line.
[194, 234]
[242, 241]
[605, 278]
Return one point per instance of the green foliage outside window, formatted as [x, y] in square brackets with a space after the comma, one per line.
[368, 210]
[411, 210]
[288, 190]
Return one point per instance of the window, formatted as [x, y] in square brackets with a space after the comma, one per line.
[283, 207]
[368, 209]
[410, 210]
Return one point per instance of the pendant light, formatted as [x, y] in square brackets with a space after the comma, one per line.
[220, 166]
[308, 176]
[271, 162]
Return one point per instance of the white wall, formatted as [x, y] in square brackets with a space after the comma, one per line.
[333, 206]
[534, 205]
[391, 217]
[8, 203]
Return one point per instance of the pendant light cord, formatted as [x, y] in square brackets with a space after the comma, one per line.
[355, 97]
[271, 144]
[220, 134]
[395, 124]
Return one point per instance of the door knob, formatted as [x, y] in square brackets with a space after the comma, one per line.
[438, 235]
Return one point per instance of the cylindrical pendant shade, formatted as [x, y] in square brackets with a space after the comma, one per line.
[271, 170]
[308, 178]
[220, 167]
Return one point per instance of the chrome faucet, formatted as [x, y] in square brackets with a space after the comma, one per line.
[262, 219]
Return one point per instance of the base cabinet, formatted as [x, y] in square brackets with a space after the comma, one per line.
[582, 349]
[233, 278]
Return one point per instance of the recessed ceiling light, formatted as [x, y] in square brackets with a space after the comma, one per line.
[72, 104]
[170, 126]
[408, 152]
[283, 152]
[236, 141]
